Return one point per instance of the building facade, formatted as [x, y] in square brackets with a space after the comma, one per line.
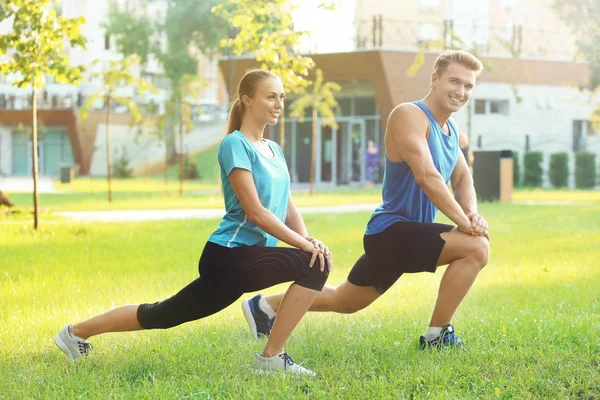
[64, 139]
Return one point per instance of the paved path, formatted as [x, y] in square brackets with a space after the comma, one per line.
[157, 215]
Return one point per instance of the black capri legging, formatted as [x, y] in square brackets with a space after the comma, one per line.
[226, 274]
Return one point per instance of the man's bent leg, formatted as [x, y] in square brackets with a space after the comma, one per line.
[466, 256]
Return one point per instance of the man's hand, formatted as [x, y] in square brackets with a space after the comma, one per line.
[479, 226]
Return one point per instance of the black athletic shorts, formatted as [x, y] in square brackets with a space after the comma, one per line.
[404, 247]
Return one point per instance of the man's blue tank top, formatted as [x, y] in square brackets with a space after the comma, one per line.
[403, 199]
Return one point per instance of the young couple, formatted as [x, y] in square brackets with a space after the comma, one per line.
[422, 156]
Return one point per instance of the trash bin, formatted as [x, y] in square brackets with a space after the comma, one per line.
[67, 174]
[493, 175]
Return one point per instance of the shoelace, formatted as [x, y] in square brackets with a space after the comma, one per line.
[84, 347]
[287, 360]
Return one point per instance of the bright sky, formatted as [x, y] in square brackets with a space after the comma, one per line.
[331, 31]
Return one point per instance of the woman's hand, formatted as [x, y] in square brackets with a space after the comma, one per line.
[323, 252]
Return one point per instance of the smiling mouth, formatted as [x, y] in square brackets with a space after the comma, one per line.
[455, 100]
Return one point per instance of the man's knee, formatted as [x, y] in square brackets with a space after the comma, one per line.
[482, 250]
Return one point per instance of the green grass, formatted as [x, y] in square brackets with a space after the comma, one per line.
[530, 321]
[150, 194]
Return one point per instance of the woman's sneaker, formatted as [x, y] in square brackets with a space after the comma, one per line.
[73, 346]
[280, 363]
[447, 338]
[259, 322]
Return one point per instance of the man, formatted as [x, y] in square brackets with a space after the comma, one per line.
[422, 155]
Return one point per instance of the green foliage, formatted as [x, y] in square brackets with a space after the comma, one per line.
[321, 99]
[190, 170]
[118, 75]
[265, 29]
[189, 24]
[121, 167]
[133, 33]
[532, 163]
[585, 170]
[37, 43]
[516, 169]
[583, 17]
[559, 169]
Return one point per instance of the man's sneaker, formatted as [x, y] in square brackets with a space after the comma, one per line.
[280, 363]
[259, 322]
[73, 346]
[447, 338]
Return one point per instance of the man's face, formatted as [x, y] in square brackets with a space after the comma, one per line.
[452, 89]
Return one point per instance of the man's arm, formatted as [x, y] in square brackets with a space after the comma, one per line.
[464, 193]
[462, 186]
[408, 126]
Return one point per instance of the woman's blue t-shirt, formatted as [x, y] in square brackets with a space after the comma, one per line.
[272, 182]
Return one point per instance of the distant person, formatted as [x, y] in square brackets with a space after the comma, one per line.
[240, 256]
[463, 141]
[422, 156]
[371, 162]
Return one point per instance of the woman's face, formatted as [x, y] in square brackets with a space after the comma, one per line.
[267, 103]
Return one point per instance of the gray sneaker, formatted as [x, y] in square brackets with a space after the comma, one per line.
[73, 346]
[280, 363]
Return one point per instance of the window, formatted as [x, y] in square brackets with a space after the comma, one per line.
[508, 3]
[581, 130]
[579, 127]
[429, 5]
[428, 31]
[498, 107]
[480, 106]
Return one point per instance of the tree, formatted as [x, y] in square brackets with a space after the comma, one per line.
[189, 27]
[186, 92]
[321, 101]
[264, 28]
[583, 17]
[37, 43]
[117, 76]
[133, 33]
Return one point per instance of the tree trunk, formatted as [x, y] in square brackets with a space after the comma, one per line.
[108, 162]
[282, 131]
[5, 200]
[35, 170]
[313, 153]
[180, 148]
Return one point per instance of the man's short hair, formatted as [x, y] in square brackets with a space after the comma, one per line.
[461, 57]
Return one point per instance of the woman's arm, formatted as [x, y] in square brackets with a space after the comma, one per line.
[242, 183]
[294, 219]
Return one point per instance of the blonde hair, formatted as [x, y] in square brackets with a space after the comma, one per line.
[461, 57]
[246, 87]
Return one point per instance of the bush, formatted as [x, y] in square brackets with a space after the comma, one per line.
[516, 170]
[559, 169]
[532, 163]
[585, 170]
[121, 166]
[190, 170]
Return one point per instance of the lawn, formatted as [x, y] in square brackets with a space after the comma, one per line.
[531, 321]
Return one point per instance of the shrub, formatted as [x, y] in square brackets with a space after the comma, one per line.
[121, 167]
[532, 163]
[559, 169]
[585, 170]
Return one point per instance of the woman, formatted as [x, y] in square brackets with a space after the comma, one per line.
[240, 255]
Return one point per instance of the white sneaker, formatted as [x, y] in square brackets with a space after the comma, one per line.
[73, 346]
[280, 363]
